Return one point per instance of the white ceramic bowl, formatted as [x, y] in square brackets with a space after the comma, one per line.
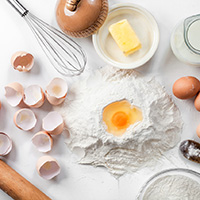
[143, 24]
[176, 171]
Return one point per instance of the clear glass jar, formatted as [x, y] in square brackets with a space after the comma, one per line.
[185, 40]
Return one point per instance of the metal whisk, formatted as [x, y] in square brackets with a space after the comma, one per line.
[67, 57]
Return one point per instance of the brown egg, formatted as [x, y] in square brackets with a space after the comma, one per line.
[197, 102]
[186, 87]
[198, 130]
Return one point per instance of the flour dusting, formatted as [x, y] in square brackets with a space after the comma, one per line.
[142, 143]
[173, 187]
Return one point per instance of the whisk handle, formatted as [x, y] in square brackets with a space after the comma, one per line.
[18, 7]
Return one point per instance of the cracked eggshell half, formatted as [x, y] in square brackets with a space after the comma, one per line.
[22, 61]
[25, 119]
[5, 144]
[34, 96]
[14, 93]
[56, 91]
[42, 141]
[48, 167]
[53, 123]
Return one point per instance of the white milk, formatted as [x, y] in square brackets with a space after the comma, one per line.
[180, 48]
[194, 34]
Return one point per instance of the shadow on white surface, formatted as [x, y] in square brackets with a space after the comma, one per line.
[36, 70]
[3, 117]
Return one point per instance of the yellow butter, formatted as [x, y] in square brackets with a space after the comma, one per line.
[125, 37]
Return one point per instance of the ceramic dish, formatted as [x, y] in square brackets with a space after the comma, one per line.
[177, 171]
[143, 24]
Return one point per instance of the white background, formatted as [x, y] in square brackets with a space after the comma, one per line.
[85, 182]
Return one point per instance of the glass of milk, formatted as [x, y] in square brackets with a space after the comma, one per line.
[185, 40]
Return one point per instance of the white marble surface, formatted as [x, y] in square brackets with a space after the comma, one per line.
[85, 182]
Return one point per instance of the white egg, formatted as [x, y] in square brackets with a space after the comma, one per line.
[25, 119]
[48, 167]
[14, 93]
[53, 123]
[56, 91]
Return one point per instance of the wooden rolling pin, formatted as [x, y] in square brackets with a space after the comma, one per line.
[17, 186]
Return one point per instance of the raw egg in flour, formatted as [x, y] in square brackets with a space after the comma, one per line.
[118, 116]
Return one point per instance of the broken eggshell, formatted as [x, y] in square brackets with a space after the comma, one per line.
[56, 91]
[25, 119]
[53, 123]
[42, 141]
[5, 144]
[34, 96]
[48, 167]
[22, 61]
[14, 93]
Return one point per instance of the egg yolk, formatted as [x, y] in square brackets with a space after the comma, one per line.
[118, 116]
[119, 119]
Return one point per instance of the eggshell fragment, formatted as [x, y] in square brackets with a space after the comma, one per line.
[25, 119]
[14, 93]
[186, 87]
[48, 167]
[5, 144]
[56, 91]
[53, 123]
[42, 141]
[22, 61]
[34, 96]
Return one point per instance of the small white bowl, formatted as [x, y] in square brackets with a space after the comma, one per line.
[145, 28]
[193, 175]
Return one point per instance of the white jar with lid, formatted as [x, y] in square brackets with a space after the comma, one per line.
[185, 40]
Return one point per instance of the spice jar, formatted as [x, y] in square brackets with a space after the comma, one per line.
[81, 18]
[185, 40]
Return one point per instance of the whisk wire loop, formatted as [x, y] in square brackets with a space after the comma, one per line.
[45, 42]
[67, 57]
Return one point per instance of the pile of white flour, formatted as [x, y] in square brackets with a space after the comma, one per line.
[142, 143]
[174, 187]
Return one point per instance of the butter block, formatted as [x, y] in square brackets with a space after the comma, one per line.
[125, 37]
